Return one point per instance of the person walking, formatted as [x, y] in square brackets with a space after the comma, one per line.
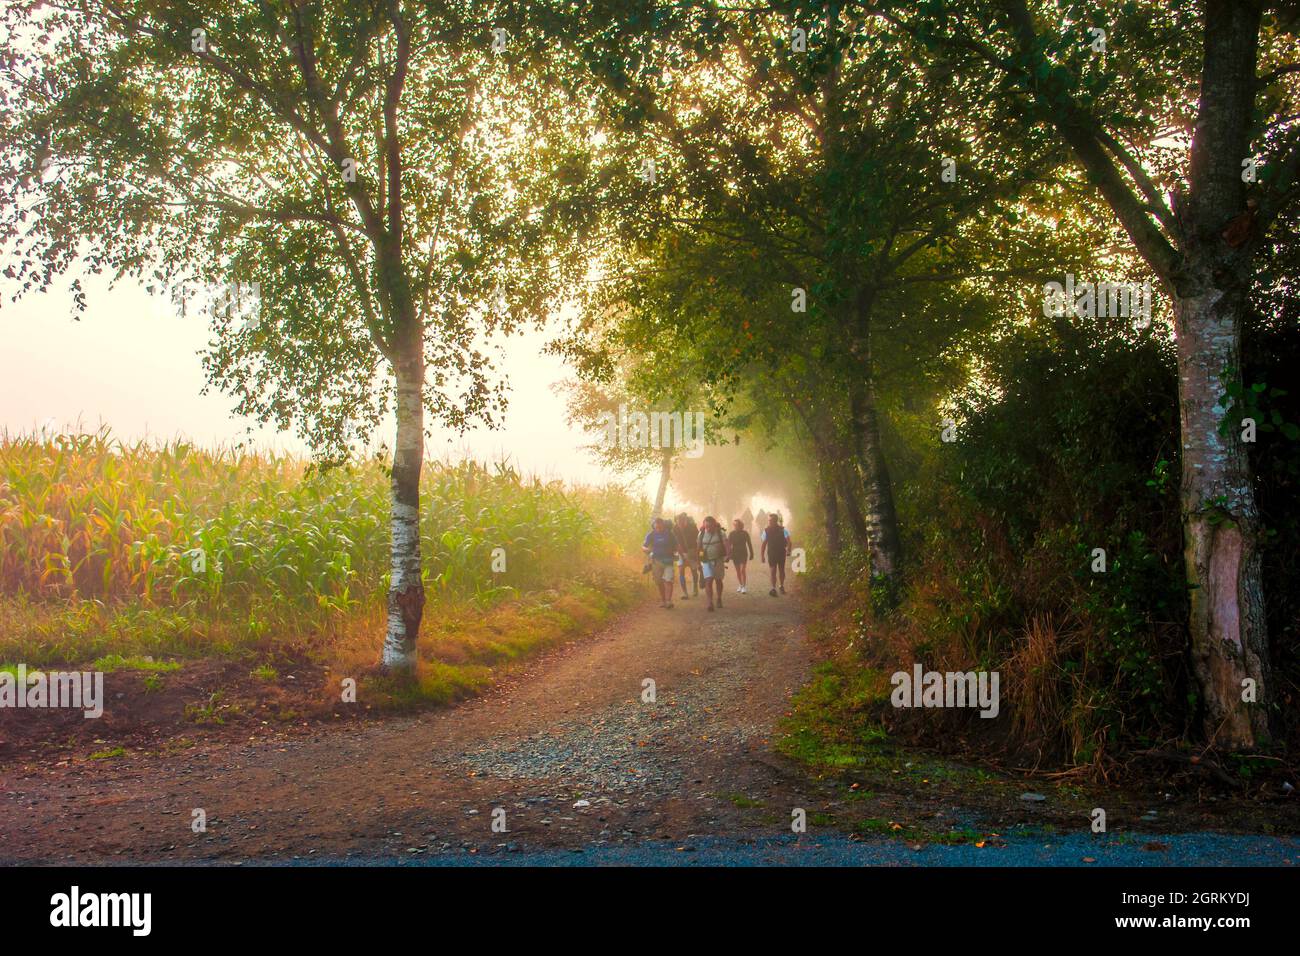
[661, 547]
[688, 552]
[713, 552]
[741, 547]
[776, 543]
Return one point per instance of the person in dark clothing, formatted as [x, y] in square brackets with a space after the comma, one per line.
[742, 552]
[775, 546]
[688, 552]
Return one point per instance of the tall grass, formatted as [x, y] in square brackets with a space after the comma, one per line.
[265, 543]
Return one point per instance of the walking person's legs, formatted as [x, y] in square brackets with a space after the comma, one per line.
[663, 572]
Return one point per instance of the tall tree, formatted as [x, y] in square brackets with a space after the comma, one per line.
[818, 145]
[1184, 117]
[378, 167]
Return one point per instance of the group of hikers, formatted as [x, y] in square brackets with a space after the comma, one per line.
[680, 546]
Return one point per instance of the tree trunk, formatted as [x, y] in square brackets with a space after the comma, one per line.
[665, 470]
[830, 507]
[877, 494]
[835, 471]
[1229, 642]
[406, 588]
[849, 488]
[1202, 250]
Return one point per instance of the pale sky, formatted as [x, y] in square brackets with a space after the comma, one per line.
[132, 363]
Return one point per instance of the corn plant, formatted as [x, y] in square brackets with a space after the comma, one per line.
[94, 518]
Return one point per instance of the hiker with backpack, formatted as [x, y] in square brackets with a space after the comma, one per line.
[713, 553]
[741, 549]
[688, 554]
[660, 546]
[775, 546]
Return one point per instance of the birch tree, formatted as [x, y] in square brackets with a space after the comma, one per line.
[381, 170]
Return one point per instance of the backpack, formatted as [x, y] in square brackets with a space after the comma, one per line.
[713, 545]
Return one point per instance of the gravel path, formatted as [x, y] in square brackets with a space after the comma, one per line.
[567, 762]
[570, 749]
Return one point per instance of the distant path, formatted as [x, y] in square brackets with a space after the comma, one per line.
[584, 770]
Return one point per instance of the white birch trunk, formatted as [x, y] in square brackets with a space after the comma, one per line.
[406, 587]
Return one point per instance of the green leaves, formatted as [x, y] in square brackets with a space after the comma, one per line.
[225, 163]
[1254, 403]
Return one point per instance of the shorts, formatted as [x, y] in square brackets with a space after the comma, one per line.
[712, 569]
[663, 569]
[776, 560]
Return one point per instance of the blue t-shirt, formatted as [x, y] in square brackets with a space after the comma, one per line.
[660, 544]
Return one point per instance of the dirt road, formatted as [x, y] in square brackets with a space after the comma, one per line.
[570, 753]
[573, 763]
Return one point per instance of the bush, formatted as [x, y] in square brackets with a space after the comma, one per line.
[1070, 444]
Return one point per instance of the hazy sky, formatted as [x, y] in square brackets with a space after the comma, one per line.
[132, 363]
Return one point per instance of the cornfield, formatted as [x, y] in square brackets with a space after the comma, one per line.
[87, 518]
